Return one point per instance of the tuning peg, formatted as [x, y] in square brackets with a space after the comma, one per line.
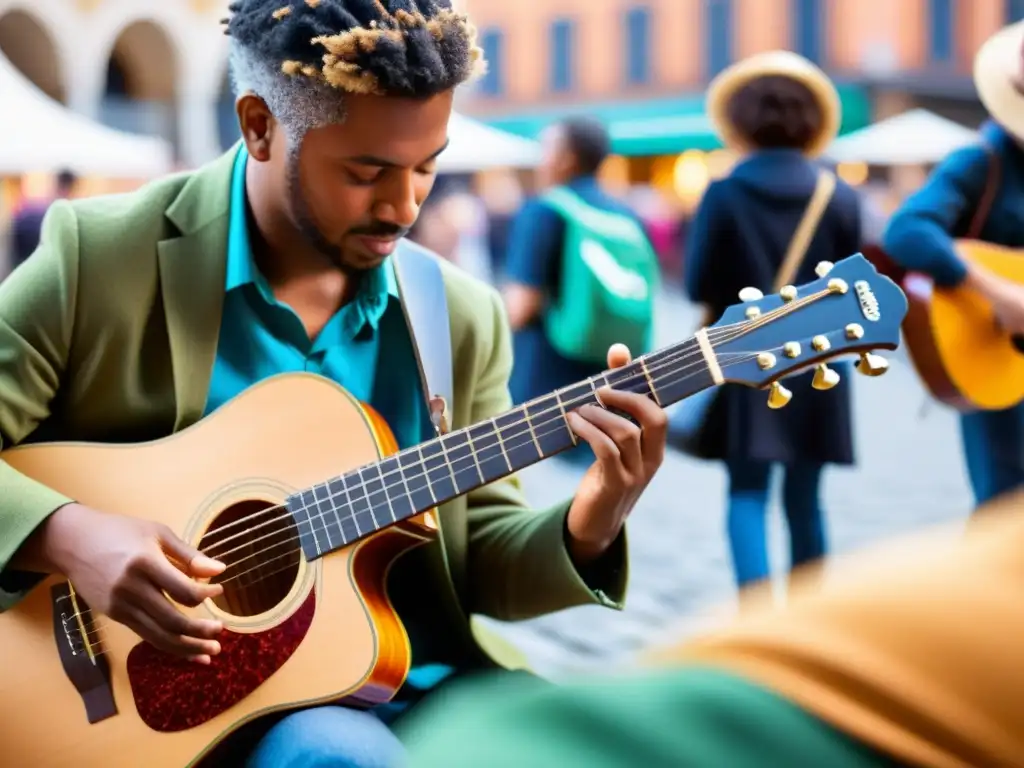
[823, 268]
[750, 294]
[778, 396]
[872, 365]
[824, 377]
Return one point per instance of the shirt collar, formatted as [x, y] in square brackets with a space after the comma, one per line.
[374, 289]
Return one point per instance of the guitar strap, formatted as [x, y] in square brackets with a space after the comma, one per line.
[425, 306]
[988, 195]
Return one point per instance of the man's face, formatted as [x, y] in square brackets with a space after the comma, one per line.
[357, 187]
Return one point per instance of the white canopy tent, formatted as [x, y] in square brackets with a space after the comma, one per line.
[38, 134]
[475, 146]
[917, 137]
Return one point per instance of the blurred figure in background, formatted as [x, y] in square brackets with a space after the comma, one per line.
[781, 111]
[549, 248]
[978, 193]
[28, 221]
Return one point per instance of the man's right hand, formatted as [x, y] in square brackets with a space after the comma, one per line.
[1006, 298]
[122, 567]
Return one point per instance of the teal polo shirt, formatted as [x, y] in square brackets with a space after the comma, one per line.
[261, 337]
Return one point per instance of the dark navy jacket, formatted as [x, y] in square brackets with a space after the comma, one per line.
[920, 235]
[738, 238]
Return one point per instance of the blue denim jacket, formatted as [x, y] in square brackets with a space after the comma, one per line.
[920, 235]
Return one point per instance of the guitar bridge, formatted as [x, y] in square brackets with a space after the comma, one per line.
[81, 655]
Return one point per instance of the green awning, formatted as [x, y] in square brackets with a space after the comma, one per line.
[662, 126]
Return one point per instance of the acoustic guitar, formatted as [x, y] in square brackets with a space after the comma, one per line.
[964, 359]
[299, 489]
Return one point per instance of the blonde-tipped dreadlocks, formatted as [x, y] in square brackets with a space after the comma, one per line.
[405, 48]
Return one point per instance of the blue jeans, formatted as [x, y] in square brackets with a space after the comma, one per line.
[328, 736]
[749, 483]
[994, 451]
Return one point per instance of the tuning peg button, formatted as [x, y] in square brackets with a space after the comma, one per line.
[750, 294]
[778, 396]
[872, 365]
[823, 268]
[824, 377]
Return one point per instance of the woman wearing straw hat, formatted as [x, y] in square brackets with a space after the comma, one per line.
[920, 238]
[768, 224]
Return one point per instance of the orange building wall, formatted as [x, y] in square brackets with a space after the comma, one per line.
[852, 29]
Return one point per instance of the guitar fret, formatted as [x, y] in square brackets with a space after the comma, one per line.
[325, 503]
[565, 417]
[439, 471]
[463, 463]
[489, 455]
[310, 506]
[519, 441]
[376, 495]
[395, 488]
[415, 474]
[650, 381]
[348, 524]
[680, 371]
[501, 444]
[546, 417]
[299, 508]
[429, 485]
[532, 431]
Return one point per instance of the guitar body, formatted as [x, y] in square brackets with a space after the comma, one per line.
[964, 359]
[298, 633]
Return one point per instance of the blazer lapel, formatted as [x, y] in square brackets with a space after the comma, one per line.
[192, 274]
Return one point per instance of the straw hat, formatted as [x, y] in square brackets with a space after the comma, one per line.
[786, 64]
[999, 77]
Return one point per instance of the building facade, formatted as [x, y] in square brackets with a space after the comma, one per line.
[148, 67]
[637, 62]
[160, 67]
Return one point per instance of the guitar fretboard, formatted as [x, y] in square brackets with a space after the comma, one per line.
[340, 511]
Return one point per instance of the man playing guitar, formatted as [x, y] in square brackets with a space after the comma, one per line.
[279, 254]
[920, 237]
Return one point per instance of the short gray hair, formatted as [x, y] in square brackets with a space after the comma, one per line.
[299, 104]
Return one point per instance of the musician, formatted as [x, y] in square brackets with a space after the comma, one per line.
[920, 238]
[141, 313]
[778, 111]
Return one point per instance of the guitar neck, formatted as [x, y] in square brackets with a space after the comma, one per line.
[344, 509]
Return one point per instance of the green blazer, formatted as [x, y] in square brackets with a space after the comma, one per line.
[109, 333]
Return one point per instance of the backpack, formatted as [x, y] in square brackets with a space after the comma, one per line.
[609, 277]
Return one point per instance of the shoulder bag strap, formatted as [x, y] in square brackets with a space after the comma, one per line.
[823, 190]
[425, 305]
[988, 195]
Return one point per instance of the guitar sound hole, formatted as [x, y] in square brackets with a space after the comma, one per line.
[259, 544]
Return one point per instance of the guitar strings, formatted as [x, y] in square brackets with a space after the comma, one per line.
[681, 375]
[670, 360]
[722, 335]
[455, 464]
[725, 334]
[92, 634]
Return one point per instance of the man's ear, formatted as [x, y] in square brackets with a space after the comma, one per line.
[257, 125]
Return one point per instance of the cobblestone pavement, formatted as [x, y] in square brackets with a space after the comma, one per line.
[909, 475]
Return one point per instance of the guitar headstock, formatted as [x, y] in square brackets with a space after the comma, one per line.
[850, 310]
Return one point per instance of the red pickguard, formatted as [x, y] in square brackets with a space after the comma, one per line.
[175, 695]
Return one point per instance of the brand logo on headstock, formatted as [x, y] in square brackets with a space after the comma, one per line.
[868, 302]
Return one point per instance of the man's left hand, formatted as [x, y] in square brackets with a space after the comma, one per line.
[628, 455]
